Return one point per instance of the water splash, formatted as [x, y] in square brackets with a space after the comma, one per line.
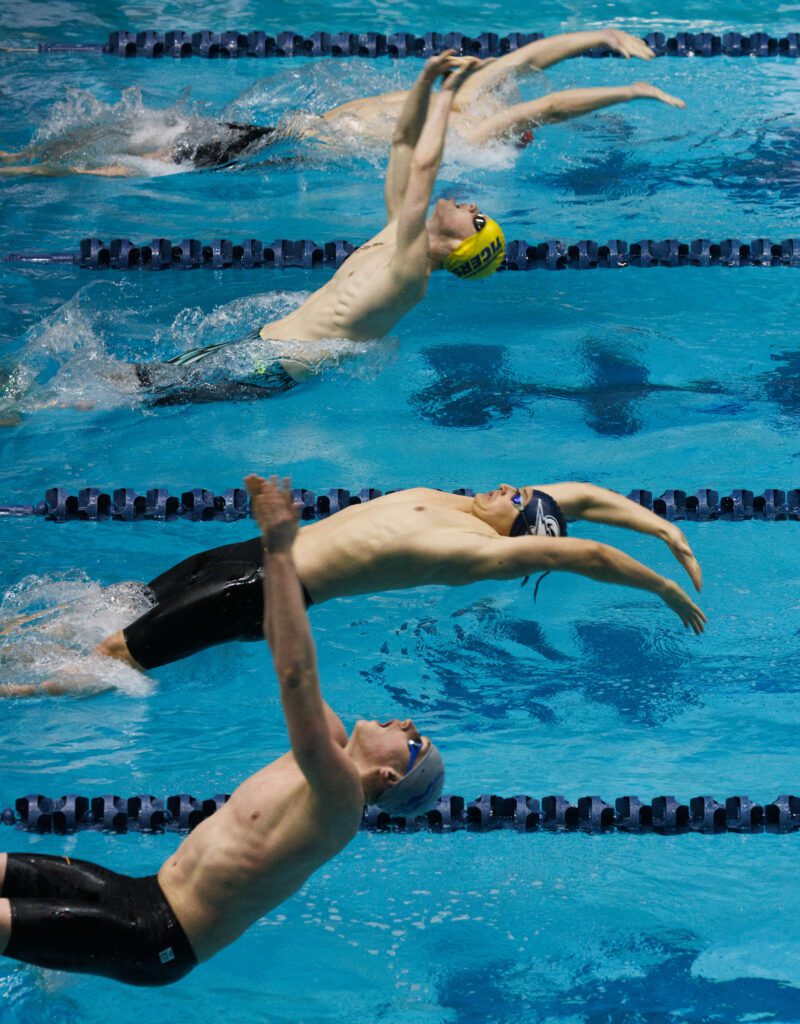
[67, 361]
[49, 626]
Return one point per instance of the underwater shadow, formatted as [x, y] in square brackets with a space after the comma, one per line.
[474, 387]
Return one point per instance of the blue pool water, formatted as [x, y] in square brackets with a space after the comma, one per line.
[660, 378]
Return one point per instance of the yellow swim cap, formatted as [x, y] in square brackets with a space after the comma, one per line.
[480, 254]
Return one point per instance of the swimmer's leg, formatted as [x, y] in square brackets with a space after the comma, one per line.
[562, 106]
[9, 157]
[38, 170]
[111, 171]
[57, 171]
[51, 688]
[21, 620]
[114, 646]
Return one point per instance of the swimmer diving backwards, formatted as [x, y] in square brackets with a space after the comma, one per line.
[383, 279]
[277, 829]
[412, 538]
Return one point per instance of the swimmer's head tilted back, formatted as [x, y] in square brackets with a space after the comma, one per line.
[465, 241]
[515, 511]
[420, 788]
[402, 772]
[541, 516]
[481, 254]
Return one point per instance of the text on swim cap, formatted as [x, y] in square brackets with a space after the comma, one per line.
[481, 260]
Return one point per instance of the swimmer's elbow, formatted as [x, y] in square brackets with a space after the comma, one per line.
[425, 164]
[291, 675]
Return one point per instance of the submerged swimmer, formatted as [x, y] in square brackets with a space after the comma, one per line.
[202, 145]
[209, 144]
[411, 538]
[279, 826]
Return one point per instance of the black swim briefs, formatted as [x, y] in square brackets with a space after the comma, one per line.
[180, 380]
[207, 599]
[231, 141]
[71, 915]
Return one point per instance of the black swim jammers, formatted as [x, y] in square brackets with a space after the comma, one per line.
[210, 598]
[71, 915]
[180, 380]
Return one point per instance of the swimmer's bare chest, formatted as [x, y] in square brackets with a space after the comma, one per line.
[363, 300]
[386, 545]
[256, 851]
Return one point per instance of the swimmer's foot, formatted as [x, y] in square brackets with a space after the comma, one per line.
[10, 419]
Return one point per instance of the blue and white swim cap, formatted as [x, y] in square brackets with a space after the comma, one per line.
[419, 791]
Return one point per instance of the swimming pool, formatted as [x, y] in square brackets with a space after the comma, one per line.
[660, 378]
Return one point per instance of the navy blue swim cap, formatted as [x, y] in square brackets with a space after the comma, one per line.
[541, 517]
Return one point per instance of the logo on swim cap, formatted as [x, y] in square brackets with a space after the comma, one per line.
[541, 517]
[480, 255]
[419, 791]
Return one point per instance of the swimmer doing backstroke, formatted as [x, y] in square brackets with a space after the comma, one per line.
[411, 538]
[477, 116]
[277, 829]
[380, 282]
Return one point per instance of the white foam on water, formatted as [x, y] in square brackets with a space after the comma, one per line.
[49, 626]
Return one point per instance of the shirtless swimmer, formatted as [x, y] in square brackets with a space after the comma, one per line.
[277, 829]
[383, 279]
[412, 538]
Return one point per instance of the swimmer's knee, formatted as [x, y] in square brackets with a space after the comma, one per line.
[114, 646]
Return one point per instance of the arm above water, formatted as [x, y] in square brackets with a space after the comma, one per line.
[412, 236]
[562, 106]
[408, 130]
[600, 505]
[480, 557]
[546, 52]
[314, 730]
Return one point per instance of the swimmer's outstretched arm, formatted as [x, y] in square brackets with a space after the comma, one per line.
[546, 52]
[412, 235]
[599, 505]
[315, 732]
[563, 106]
[409, 128]
[508, 558]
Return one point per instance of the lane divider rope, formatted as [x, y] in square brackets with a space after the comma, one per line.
[283, 253]
[91, 504]
[487, 813]
[150, 43]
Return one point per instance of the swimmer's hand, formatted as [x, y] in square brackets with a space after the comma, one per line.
[646, 91]
[462, 69]
[440, 65]
[272, 506]
[626, 45]
[679, 601]
[679, 546]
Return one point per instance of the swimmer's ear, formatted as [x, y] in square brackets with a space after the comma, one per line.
[377, 780]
